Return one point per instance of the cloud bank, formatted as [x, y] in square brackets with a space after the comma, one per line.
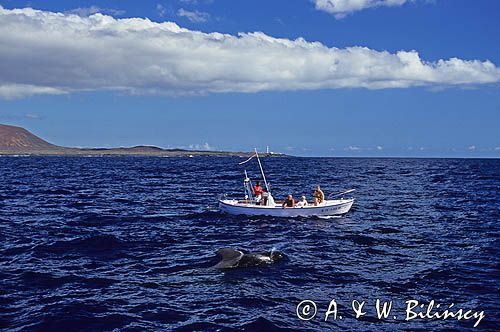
[341, 8]
[53, 53]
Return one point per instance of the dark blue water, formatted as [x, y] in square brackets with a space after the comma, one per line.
[95, 244]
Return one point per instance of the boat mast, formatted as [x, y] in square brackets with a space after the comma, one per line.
[262, 172]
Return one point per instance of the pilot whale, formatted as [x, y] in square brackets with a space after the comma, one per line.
[231, 258]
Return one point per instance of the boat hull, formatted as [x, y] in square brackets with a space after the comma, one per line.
[329, 208]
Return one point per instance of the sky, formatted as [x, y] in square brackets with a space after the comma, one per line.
[415, 78]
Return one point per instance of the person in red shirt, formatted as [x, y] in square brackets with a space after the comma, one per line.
[257, 191]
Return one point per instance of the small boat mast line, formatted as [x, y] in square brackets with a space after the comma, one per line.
[262, 171]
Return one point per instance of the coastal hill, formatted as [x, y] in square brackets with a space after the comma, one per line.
[19, 141]
[17, 138]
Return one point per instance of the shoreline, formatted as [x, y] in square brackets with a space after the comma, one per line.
[208, 154]
[133, 152]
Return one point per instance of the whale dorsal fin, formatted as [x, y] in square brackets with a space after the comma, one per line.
[230, 257]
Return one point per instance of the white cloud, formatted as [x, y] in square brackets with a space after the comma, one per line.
[196, 2]
[472, 148]
[162, 10]
[16, 116]
[354, 148]
[86, 11]
[341, 8]
[33, 116]
[52, 53]
[194, 16]
[204, 146]
[14, 91]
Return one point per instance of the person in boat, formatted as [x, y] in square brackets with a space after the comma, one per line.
[289, 202]
[302, 203]
[257, 192]
[265, 197]
[319, 194]
[316, 203]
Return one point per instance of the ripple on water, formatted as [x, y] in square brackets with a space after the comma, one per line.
[129, 243]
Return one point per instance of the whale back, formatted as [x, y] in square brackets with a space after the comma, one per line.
[229, 258]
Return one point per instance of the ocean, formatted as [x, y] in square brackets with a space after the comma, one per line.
[129, 244]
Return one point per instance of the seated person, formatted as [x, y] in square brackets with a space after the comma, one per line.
[319, 194]
[316, 202]
[289, 202]
[265, 197]
[257, 192]
[301, 203]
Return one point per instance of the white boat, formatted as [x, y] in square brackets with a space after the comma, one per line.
[327, 208]
[268, 207]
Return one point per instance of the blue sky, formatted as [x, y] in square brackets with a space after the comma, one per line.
[447, 108]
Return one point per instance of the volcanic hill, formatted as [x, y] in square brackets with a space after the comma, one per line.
[14, 138]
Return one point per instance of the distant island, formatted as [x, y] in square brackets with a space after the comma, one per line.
[19, 141]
